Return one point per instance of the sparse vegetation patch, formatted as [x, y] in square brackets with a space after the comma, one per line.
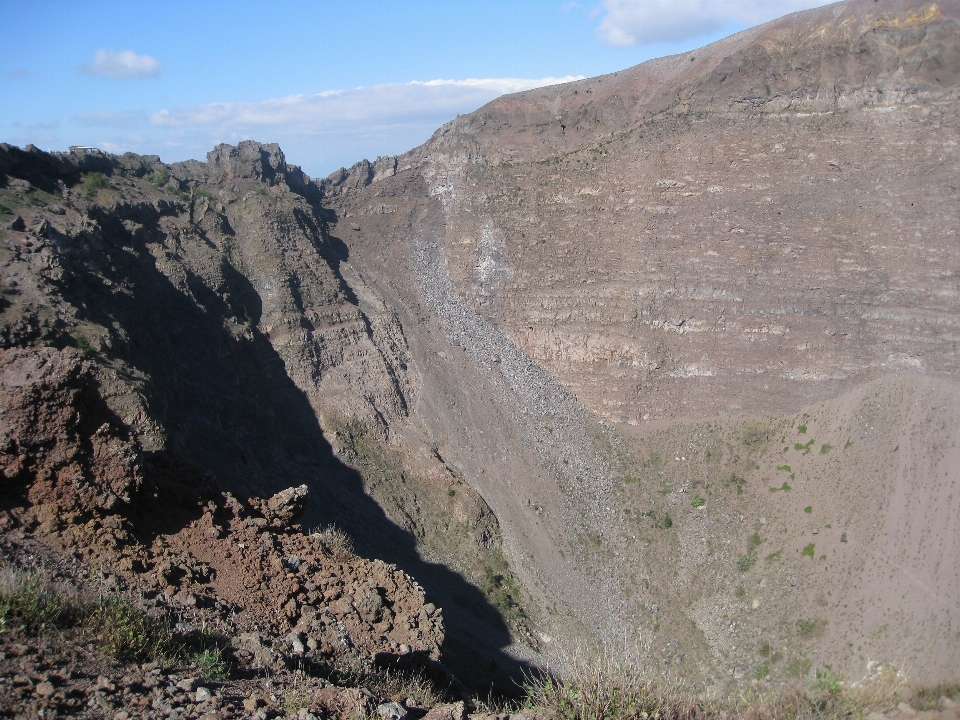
[93, 183]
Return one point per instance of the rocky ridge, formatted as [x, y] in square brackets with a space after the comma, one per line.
[191, 330]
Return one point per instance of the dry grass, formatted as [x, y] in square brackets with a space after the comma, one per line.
[610, 691]
[28, 599]
[335, 542]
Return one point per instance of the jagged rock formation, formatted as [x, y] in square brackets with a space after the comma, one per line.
[195, 320]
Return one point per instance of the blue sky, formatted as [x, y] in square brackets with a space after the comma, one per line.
[333, 81]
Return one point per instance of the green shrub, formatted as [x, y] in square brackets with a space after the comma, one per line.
[809, 628]
[755, 433]
[93, 183]
[805, 449]
[160, 177]
[661, 520]
[210, 664]
[745, 562]
[130, 635]
[697, 501]
[28, 600]
[808, 551]
[737, 482]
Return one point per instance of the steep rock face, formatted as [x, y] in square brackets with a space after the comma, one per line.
[716, 229]
[733, 234]
[199, 312]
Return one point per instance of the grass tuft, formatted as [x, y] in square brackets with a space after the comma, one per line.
[29, 600]
[335, 542]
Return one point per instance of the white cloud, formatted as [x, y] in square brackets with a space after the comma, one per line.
[633, 22]
[502, 85]
[122, 65]
[376, 106]
[337, 127]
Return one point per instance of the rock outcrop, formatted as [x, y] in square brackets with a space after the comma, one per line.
[189, 330]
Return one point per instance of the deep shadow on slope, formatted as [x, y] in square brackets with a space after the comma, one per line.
[221, 392]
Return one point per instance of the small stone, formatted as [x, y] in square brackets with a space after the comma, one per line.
[253, 703]
[104, 683]
[189, 684]
[17, 224]
[792, 581]
[906, 710]
[211, 716]
[392, 711]
[122, 715]
[457, 711]
[203, 694]
[44, 689]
